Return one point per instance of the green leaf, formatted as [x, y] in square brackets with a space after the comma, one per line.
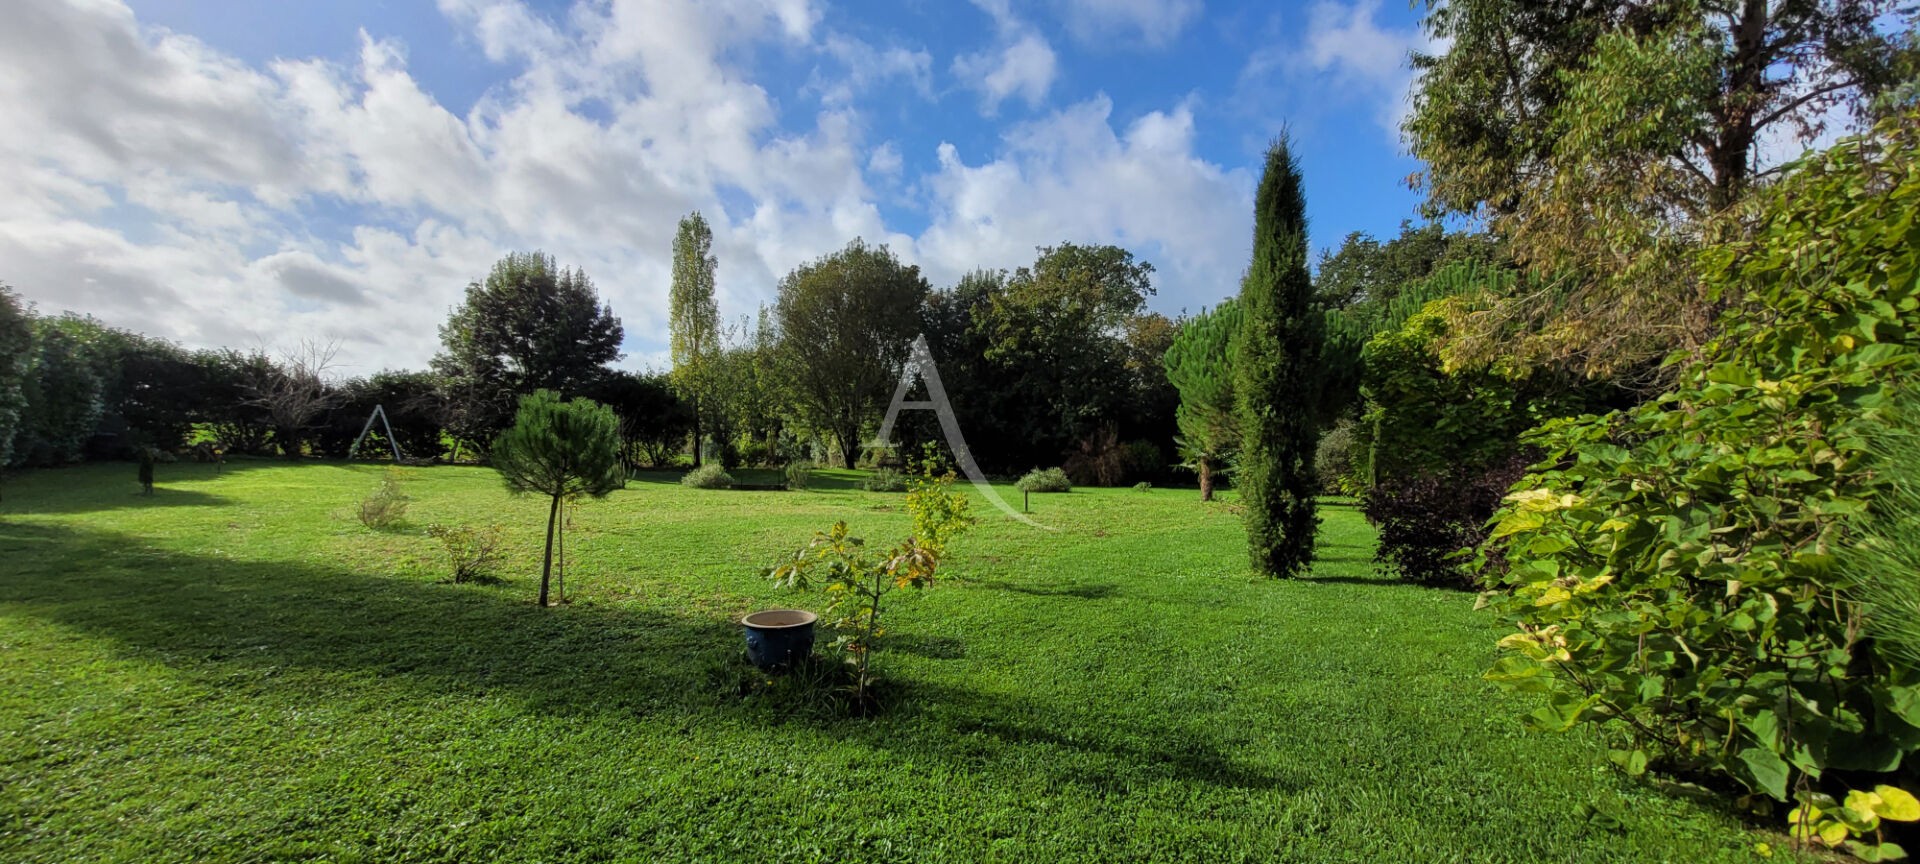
[1896, 804]
[1768, 770]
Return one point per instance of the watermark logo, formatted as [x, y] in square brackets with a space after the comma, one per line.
[920, 365]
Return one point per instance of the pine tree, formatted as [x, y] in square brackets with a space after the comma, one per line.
[563, 450]
[694, 322]
[1276, 380]
[1199, 365]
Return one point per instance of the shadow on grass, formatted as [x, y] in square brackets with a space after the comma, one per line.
[92, 497]
[1081, 590]
[215, 617]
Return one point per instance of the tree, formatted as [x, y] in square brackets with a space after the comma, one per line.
[63, 399]
[531, 325]
[1366, 271]
[295, 394]
[1276, 387]
[1199, 366]
[563, 450]
[229, 376]
[1607, 139]
[693, 322]
[845, 322]
[16, 346]
[653, 421]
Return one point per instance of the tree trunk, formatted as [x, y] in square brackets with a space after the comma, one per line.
[696, 433]
[1206, 479]
[546, 566]
[849, 446]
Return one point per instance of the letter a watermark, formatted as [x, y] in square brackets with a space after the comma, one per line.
[920, 365]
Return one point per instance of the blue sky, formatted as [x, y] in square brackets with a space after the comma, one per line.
[247, 173]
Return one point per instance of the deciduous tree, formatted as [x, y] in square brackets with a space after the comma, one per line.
[693, 323]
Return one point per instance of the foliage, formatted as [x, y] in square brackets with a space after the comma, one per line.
[63, 399]
[1823, 821]
[1365, 272]
[693, 324]
[1048, 480]
[1605, 140]
[845, 322]
[884, 480]
[294, 393]
[414, 406]
[386, 507]
[1099, 459]
[799, 474]
[229, 376]
[1882, 559]
[1198, 364]
[1336, 461]
[531, 325]
[939, 513]
[473, 554]
[145, 473]
[708, 476]
[1432, 520]
[16, 346]
[561, 449]
[1277, 389]
[1672, 566]
[654, 422]
[856, 584]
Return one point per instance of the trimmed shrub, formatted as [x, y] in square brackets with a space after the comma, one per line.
[799, 474]
[708, 476]
[1049, 480]
[1333, 461]
[885, 480]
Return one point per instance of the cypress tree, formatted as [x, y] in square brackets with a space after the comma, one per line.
[1276, 383]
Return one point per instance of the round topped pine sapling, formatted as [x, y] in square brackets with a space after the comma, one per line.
[563, 450]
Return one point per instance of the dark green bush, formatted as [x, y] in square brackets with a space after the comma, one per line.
[799, 474]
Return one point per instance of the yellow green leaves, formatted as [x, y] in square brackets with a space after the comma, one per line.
[1856, 823]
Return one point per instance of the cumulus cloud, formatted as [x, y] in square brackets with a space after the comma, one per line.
[170, 188]
[1152, 23]
[1344, 46]
[1020, 62]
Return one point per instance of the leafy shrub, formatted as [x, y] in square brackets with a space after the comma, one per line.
[799, 474]
[708, 476]
[1672, 573]
[387, 506]
[856, 584]
[884, 480]
[1333, 461]
[474, 554]
[938, 512]
[1143, 486]
[1145, 461]
[1431, 523]
[1049, 480]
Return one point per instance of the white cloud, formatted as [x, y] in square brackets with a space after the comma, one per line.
[1346, 47]
[1151, 22]
[1072, 177]
[175, 190]
[1019, 63]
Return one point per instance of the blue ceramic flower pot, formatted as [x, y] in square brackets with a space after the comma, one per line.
[779, 638]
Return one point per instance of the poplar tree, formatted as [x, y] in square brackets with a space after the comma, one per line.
[1277, 382]
[694, 322]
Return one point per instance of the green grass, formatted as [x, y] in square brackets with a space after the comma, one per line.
[235, 669]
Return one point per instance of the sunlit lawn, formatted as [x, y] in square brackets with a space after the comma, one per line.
[235, 669]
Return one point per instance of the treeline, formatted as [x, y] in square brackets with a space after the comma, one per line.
[1050, 364]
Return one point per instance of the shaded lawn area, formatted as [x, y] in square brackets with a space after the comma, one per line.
[235, 669]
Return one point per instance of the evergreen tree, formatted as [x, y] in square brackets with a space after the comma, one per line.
[16, 344]
[563, 450]
[694, 323]
[1198, 364]
[1277, 382]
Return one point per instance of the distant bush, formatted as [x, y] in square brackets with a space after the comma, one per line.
[387, 506]
[1430, 523]
[473, 553]
[754, 452]
[1143, 486]
[1049, 480]
[799, 474]
[1100, 460]
[1334, 462]
[885, 480]
[1145, 460]
[708, 476]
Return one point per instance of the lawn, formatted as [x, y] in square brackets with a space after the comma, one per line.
[235, 669]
